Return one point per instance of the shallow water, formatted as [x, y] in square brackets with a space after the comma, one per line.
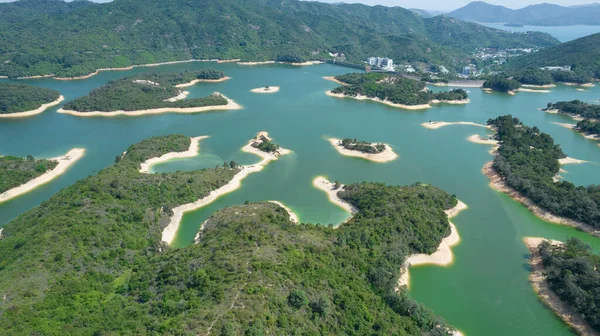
[485, 292]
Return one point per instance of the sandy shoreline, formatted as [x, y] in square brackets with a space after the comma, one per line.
[170, 231]
[293, 216]
[497, 183]
[304, 63]
[94, 73]
[573, 128]
[333, 79]
[439, 124]
[478, 139]
[442, 257]
[270, 89]
[386, 102]
[195, 81]
[451, 102]
[531, 86]
[231, 105]
[33, 112]
[386, 156]
[569, 160]
[533, 90]
[36, 77]
[321, 183]
[256, 63]
[64, 163]
[146, 166]
[542, 289]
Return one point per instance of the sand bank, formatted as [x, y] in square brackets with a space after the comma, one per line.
[386, 156]
[451, 102]
[439, 124]
[478, 139]
[95, 73]
[442, 257]
[266, 89]
[196, 81]
[64, 163]
[305, 63]
[293, 216]
[332, 79]
[577, 84]
[180, 96]
[580, 90]
[35, 77]
[512, 93]
[497, 183]
[231, 105]
[542, 289]
[191, 152]
[256, 63]
[235, 60]
[487, 90]
[321, 183]
[573, 127]
[588, 85]
[33, 112]
[533, 90]
[386, 102]
[170, 231]
[547, 86]
[570, 160]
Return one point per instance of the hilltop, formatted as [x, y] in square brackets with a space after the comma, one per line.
[42, 37]
[539, 15]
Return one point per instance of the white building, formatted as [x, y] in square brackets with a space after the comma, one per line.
[381, 62]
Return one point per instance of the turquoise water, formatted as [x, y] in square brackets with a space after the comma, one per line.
[561, 33]
[485, 292]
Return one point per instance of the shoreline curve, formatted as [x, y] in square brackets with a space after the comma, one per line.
[323, 184]
[37, 111]
[292, 214]
[377, 100]
[386, 156]
[146, 166]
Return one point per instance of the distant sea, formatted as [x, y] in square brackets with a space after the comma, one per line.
[562, 33]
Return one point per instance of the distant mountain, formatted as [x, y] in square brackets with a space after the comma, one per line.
[583, 55]
[540, 15]
[39, 37]
[426, 13]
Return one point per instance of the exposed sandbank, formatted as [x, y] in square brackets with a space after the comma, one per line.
[569, 160]
[170, 231]
[439, 124]
[533, 90]
[573, 127]
[386, 102]
[293, 216]
[146, 166]
[235, 60]
[35, 77]
[497, 183]
[451, 102]
[231, 105]
[321, 183]
[580, 90]
[196, 81]
[531, 86]
[442, 257]
[305, 63]
[578, 84]
[542, 289]
[386, 156]
[94, 73]
[256, 63]
[64, 163]
[478, 139]
[266, 89]
[333, 79]
[33, 112]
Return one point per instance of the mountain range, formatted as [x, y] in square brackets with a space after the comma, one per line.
[42, 37]
[539, 15]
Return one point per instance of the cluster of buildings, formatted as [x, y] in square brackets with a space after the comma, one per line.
[499, 56]
[381, 62]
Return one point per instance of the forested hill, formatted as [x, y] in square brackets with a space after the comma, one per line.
[73, 39]
[89, 260]
[582, 54]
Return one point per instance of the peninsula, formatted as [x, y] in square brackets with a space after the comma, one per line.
[261, 146]
[376, 152]
[151, 93]
[587, 115]
[559, 202]
[96, 248]
[20, 100]
[565, 277]
[501, 84]
[19, 176]
[393, 90]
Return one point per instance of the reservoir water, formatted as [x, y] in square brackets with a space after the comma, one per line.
[486, 290]
[561, 33]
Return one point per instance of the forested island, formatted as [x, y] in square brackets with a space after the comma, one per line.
[25, 100]
[247, 273]
[149, 93]
[534, 78]
[394, 90]
[363, 146]
[502, 84]
[15, 171]
[263, 143]
[376, 151]
[575, 108]
[526, 161]
[571, 272]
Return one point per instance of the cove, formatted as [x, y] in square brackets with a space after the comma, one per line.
[485, 291]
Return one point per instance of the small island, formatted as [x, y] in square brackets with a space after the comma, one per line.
[20, 100]
[21, 175]
[150, 93]
[565, 276]
[501, 84]
[376, 152]
[393, 90]
[266, 89]
[587, 115]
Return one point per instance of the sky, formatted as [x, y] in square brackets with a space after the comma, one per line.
[446, 5]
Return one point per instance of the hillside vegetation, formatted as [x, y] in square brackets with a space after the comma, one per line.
[73, 39]
[15, 171]
[90, 261]
[20, 97]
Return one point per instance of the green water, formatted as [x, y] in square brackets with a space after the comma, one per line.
[485, 292]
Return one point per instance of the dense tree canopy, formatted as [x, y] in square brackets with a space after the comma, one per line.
[528, 160]
[145, 91]
[363, 146]
[501, 84]
[576, 108]
[396, 89]
[15, 171]
[89, 260]
[534, 77]
[20, 98]
[572, 271]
